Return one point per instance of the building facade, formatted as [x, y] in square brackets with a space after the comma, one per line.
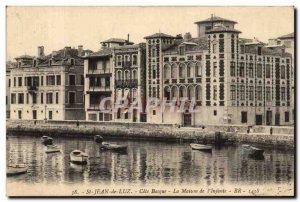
[48, 87]
[115, 71]
[232, 80]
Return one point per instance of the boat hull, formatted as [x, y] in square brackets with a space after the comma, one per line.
[114, 147]
[201, 147]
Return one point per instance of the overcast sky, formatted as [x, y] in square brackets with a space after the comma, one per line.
[57, 27]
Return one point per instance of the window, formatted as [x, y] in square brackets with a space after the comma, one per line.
[71, 97]
[134, 59]
[232, 68]
[198, 69]
[19, 81]
[215, 112]
[72, 81]
[286, 116]
[244, 117]
[8, 82]
[242, 92]
[268, 93]
[259, 93]
[92, 117]
[251, 93]
[153, 73]
[58, 80]
[21, 98]
[15, 81]
[282, 72]
[215, 95]
[232, 92]
[242, 69]
[42, 80]
[283, 94]
[268, 71]
[27, 98]
[119, 75]
[56, 97]
[154, 112]
[72, 62]
[198, 93]
[81, 80]
[153, 53]
[13, 98]
[215, 69]
[42, 98]
[182, 73]
[258, 50]
[50, 80]
[251, 75]
[207, 28]
[119, 60]
[49, 98]
[19, 114]
[214, 48]
[181, 50]
[153, 92]
[242, 49]
[34, 98]
[259, 70]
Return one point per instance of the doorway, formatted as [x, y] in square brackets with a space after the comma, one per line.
[258, 120]
[187, 119]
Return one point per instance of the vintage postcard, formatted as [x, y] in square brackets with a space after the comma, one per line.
[150, 101]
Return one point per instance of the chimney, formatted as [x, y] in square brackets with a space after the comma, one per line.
[80, 50]
[41, 51]
[127, 39]
[187, 36]
[67, 48]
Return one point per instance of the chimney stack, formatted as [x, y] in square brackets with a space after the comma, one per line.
[80, 50]
[41, 51]
[187, 36]
[67, 48]
[127, 38]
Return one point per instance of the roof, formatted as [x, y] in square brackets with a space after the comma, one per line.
[215, 19]
[101, 53]
[116, 40]
[287, 36]
[222, 29]
[159, 35]
[25, 57]
[194, 44]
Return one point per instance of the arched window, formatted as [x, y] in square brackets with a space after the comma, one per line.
[198, 69]
[174, 92]
[119, 94]
[190, 70]
[119, 75]
[190, 92]
[182, 71]
[198, 93]
[134, 74]
[126, 75]
[174, 72]
[134, 94]
[167, 92]
[182, 91]
[167, 71]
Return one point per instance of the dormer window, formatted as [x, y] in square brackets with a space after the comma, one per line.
[181, 50]
[34, 63]
[72, 62]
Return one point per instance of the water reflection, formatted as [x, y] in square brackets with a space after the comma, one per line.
[146, 162]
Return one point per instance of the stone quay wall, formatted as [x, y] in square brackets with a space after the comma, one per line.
[237, 134]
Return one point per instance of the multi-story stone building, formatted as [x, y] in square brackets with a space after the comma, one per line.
[115, 71]
[233, 80]
[48, 87]
[9, 65]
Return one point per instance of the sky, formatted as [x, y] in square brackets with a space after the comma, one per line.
[57, 27]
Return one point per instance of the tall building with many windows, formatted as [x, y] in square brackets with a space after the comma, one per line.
[233, 80]
[48, 87]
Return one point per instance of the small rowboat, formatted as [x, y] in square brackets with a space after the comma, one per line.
[52, 149]
[252, 151]
[201, 147]
[16, 169]
[113, 147]
[79, 157]
[47, 140]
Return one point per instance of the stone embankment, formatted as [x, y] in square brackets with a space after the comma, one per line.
[259, 135]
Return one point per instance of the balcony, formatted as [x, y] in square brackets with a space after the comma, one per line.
[32, 89]
[99, 89]
[99, 72]
[127, 83]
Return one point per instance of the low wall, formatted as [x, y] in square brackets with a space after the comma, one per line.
[282, 136]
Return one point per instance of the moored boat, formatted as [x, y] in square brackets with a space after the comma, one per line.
[98, 138]
[47, 140]
[52, 149]
[201, 147]
[78, 156]
[16, 169]
[252, 151]
[113, 147]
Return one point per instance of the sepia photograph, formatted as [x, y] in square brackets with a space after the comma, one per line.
[150, 101]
